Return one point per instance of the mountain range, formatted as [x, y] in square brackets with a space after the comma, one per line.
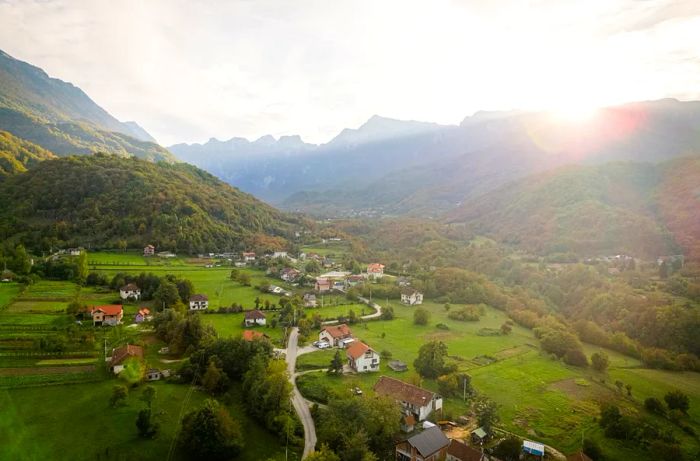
[393, 167]
[61, 118]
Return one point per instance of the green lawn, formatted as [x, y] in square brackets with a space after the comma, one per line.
[33, 423]
[8, 292]
[130, 258]
[231, 325]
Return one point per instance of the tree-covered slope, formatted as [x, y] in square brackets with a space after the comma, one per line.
[102, 200]
[16, 155]
[62, 118]
[588, 210]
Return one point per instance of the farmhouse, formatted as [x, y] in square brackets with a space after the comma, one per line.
[252, 335]
[460, 451]
[107, 315]
[143, 314]
[335, 334]
[411, 297]
[149, 250]
[248, 256]
[362, 358]
[375, 271]
[279, 254]
[199, 302]
[429, 445]
[322, 285]
[310, 300]
[122, 354]
[254, 317]
[413, 399]
[130, 291]
[289, 274]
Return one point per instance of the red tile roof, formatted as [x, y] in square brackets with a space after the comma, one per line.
[375, 267]
[338, 331]
[357, 348]
[122, 353]
[112, 309]
[402, 391]
[463, 452]
[254, 314]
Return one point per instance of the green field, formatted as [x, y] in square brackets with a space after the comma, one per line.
[8, 292]
[539, 397]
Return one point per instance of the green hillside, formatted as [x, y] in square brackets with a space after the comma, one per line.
[587, 210]
[16, 155]
[100, 201]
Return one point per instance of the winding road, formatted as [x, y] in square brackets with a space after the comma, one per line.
[300, 404]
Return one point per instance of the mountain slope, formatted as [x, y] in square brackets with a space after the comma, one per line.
[16, 155]
[96, 201]
[589, 210]
[62, 118]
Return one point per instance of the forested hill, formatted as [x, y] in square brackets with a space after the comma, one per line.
[105, 201]
[61, 118]
[16, 155]
[633, 208]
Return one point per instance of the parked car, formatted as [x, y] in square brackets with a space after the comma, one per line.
[322, 345]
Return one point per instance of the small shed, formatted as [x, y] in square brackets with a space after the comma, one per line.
[398, 365]
[154, 374]
[533, 448]
[479, 435]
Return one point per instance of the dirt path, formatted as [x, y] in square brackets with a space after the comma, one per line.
[300, 404]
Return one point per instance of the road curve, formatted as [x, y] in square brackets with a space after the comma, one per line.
[300, 404]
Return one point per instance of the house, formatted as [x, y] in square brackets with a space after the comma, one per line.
[252, 335]
[107, 315]
[149, 250]
[411, 297]
[375, 271]
[143, 315]
[122, 354]
[533, 448]
[279, 254]
[254, 317]
[322, 285]
[429, 445]
[361, 357]
[403, 281]
[310, 300]
[479, 436]
[413, 399]
[130, 291]
[460, 451]
[199, 302]
[75, 251]
[353, 280]
[334, 334]
[153, 374]
[335, 275]
[248, 256]
[289, 274]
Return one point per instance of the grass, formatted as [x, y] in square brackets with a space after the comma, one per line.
[231, 325]
[8, 292]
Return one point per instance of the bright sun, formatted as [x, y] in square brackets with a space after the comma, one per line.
[575, 112]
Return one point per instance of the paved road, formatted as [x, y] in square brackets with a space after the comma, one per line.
[372, 304]
[300, 404]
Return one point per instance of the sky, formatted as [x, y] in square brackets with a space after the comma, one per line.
[191, 70]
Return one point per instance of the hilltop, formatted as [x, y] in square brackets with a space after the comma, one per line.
[97, 201]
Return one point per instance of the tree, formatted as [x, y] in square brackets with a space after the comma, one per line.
[82, 267]
[663, 270]
[214, 379]
[576, 357]
[592, 449]
[21, 263]
[486, 412]
[430, 362]
[600, 361]
[654, 405]
[166, 295]
[185, 289]
[149, 395]
[506, 329]
[387, 313]
[336, 364]
[211, 433]
[119, 394]
[324, 453]
[677, 400]
[146, 427]
[421, 316]
[619, 384]
[244, 279]
[447, 307]
[629, 389]
[509, 449]
[312, 267]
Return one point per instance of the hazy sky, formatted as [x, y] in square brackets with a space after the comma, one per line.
[190, 70]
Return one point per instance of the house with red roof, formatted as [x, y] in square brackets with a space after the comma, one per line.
[413, 399]
[107, 315]
[361, 357]
[122, 354]
[375, 271]
[149, 250]
[143, 314]
[335, 335]
[254, 317]
[323, 285]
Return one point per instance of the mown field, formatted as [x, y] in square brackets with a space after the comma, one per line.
[540, 398]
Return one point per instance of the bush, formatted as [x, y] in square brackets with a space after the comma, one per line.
[600, 361]
[677, 400]
[466, 314]
[421, 316]
[442, 326]
[654, 405]
[576, 357]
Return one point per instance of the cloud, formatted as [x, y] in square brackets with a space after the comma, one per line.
[190, 70]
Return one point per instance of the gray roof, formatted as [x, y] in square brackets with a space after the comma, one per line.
[429, 441]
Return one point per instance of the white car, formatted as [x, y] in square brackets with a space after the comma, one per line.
[322, 345]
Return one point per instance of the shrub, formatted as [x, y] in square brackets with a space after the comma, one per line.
[576, 357]
[421, 316]
[654, 405]
[677, 400]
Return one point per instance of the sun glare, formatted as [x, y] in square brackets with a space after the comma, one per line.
[575, 112]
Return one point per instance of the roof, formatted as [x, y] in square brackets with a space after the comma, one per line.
[480, 432]
[429, 441]
[248, 253]
[150, 246]
[357, 348]
[250, 335]
[338, 331]
[122, 353]
[254, 314]
[533, 447]
[580, 456]
[129, 287]
[403, 391]
[199, 298]
[375, 267]
[354, 278]
[409, 291]
[111, 309]
[463, 452]
[144, 311]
